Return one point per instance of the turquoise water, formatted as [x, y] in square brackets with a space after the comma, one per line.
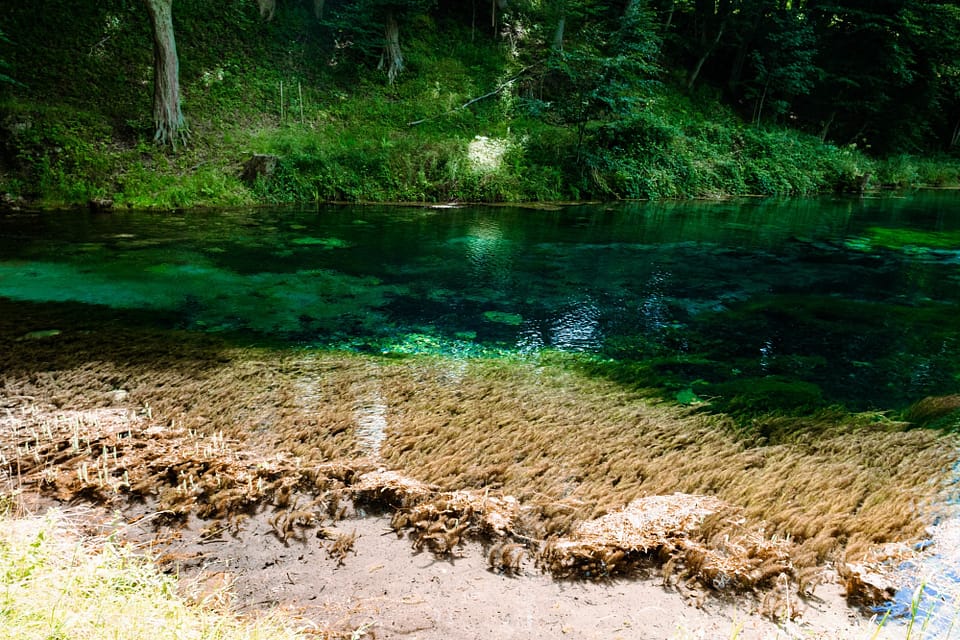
[792, 304]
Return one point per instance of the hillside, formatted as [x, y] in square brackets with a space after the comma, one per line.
[488, 105]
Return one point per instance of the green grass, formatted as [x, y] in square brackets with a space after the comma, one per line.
[902, 171]
[58, 584]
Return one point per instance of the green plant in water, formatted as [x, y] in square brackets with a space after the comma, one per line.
[502, 317]
[760, 395]
[937, 412]
[915, 606]
[899, 239]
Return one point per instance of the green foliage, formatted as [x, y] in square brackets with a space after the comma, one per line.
[501, 116]
[359, 26]
[4, 65]
[145, 188]
[783, 64]
[675, 149]
[603, 73]
[904, 170]
[61, 153]
[882, 74]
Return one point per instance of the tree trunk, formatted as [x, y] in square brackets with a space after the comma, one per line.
[391, 60]
[956, 135]
[494, 5]
[758, 111]
[318, 9]
[826, 126]
[736, 67]
[167, 116]
[267, 8]
[669, 21]
[706, 54]
[558, 33]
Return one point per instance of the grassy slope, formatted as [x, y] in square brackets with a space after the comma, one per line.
[79, 128]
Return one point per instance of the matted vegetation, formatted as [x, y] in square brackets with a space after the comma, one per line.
[569, 449]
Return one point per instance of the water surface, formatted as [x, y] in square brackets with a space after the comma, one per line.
[800, 303]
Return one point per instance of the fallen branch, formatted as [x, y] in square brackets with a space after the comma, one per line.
[470, 102]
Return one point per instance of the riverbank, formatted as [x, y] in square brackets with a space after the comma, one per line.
[338, 568]
[83, 563]
[61, 157]
[233, 446]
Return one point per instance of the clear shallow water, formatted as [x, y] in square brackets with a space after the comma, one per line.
[799, 303]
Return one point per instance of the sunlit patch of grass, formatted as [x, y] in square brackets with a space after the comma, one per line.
[193, 187]
[55, 583]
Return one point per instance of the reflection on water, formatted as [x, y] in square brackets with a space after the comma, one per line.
[853, 298]
[489, 254]
[576, 326]
[370, 414]
[654, 310]
[530, 339]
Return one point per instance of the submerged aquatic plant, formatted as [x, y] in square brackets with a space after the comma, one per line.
[569, 447]
[942, 412]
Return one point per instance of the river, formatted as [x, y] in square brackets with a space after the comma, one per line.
[777, 305]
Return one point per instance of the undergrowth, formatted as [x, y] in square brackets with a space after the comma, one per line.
[76, 128]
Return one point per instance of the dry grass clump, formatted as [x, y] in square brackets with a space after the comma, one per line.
[442, 522]
[720, 555]
[437, 520]
[341, 546]
[113, 457]
[872, 580]
[648, 523]
[391, 489]
[737, 557]
[507, 558]
[105, 454]
[616, 542]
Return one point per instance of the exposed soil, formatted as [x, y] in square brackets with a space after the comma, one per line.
[386, 589]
